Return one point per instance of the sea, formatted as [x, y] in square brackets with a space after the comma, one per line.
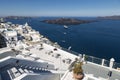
[100, 39]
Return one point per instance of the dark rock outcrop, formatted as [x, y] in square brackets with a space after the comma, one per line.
[110, 17]
[17, 17]
[67, 21]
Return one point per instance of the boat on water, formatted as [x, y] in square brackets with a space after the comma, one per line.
[64, 33]
[35, 57]
[65, 26]
[63, 40]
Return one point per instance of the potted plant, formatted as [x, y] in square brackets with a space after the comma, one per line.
[78, 71]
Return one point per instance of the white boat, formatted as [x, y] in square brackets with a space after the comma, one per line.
[38, 58]
[65, 26]
[64, 33]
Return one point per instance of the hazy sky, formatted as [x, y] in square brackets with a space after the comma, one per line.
[59, 7]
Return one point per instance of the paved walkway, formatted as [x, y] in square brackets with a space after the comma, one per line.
[99, 71]
[45, 55]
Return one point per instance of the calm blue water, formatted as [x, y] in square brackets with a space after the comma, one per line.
[100, 39]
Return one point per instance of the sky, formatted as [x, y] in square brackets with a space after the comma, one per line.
[59, 7]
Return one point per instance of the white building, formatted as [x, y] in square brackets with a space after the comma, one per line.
[10, 35]
[35, 37]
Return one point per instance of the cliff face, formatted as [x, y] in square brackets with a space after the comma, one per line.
[17, 17]
[2, 42]
[67, 21]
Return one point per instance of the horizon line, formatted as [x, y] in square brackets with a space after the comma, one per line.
[53, 16]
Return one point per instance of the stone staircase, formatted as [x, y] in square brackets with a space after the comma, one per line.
[20, 66]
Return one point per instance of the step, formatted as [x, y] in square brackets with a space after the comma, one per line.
[21, 70]
[26, 70]
[15, 72]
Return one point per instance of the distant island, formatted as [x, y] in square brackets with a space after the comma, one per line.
[17, 17]
[110, 17]
[67, 21]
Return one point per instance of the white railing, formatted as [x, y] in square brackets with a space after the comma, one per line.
[64, 76]
[103, 62]
[91, 77]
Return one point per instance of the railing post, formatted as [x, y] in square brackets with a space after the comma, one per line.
[111, 63]
[83, 59]
[103, 60]
[80, 57]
